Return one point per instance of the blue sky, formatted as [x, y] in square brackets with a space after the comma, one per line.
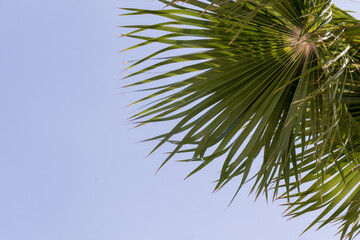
[71, 167]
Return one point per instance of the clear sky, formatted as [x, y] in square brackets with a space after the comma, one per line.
[71, 167]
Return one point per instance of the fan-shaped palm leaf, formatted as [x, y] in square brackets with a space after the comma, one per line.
[277, 77]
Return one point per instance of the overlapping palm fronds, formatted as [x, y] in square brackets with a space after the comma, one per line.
[277, 79]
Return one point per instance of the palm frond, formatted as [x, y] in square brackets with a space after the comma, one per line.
[276, 77]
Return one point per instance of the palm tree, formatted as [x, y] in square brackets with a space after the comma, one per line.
[276, 79]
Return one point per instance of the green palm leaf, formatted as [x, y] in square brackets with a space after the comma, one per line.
[277, 78]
